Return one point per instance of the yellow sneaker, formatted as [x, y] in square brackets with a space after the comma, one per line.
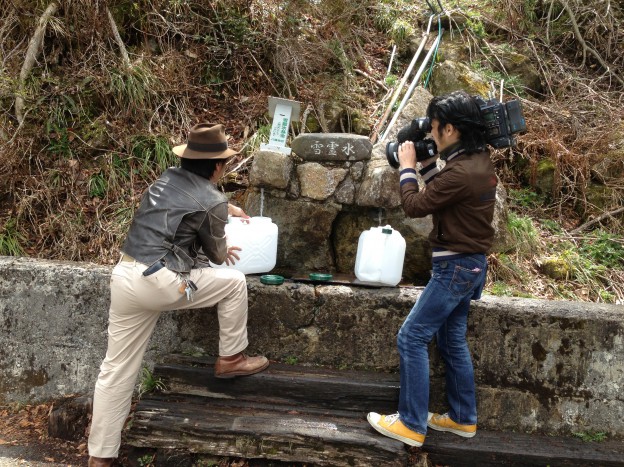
[391, 426]
[444, 423]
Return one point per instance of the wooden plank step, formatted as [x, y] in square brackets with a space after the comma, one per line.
[493, 448]
[231, 428]
[317, 416]
[235, 428]
[313, 386]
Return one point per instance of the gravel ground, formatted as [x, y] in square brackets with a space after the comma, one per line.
[11, 456]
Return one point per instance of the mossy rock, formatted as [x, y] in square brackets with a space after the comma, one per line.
[518, 65]
[556, 268]
[545, 176]
[312, 124]
[352, 121]
[455, 52]
[451, 76]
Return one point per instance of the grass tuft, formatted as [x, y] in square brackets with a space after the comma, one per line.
[150, 383]
[11, 239]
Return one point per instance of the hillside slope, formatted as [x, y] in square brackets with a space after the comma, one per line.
[93, 95]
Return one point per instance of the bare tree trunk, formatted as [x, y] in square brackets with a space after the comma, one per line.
[122, 47]
[34, 47]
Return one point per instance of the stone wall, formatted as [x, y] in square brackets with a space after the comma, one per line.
[554, 367]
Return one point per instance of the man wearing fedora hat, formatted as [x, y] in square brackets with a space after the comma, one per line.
[178, 227]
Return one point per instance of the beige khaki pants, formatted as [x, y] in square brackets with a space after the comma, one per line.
[136, 304]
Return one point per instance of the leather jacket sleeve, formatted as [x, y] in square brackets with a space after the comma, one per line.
[210, 227]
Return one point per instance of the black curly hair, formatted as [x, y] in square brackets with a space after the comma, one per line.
[462, 111]
[202, 167]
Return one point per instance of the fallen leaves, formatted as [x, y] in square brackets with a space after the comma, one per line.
[27, 425]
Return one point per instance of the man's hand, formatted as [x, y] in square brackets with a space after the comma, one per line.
[407, 155]
[232, 257]
[236, 211]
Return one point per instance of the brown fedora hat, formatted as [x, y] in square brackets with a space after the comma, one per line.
[205, 141]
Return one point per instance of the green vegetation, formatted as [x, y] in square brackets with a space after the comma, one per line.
[525, 198]
[98, 186]
[291, 360]
[525, 235]
[396, 19]
[150, 383]
[146, 460]
[544, 258]
[477, 27]
[11, 239]
[59, 142]
[401, 30]
[205, 463]
[591, 437]
[153, 154]
[603, 248]
[261, 136]
[512, 84]
[132, 87]
[391, 80]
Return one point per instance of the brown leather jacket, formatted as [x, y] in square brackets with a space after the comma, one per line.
[461, 199]
[181, 219]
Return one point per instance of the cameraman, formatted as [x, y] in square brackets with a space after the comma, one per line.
[460, 197]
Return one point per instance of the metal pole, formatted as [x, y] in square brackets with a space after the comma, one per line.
[412, 86]
[391, 59]
[402, 83]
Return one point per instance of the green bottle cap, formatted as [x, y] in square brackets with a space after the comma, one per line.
[271, 279]
[319, 276]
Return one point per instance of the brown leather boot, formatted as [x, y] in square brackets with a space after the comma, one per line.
[239, 365]
[100, 461]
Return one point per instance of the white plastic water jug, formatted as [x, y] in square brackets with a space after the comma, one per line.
[257, 240]
[380, 256]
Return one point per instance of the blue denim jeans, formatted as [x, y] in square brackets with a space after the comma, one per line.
[442, 309]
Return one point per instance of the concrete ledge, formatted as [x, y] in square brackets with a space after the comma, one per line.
[554, 367]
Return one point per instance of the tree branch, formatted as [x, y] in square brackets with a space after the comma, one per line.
[34, 47]
[376, 81]
[597, 219]
[587, 48]
[122, 47]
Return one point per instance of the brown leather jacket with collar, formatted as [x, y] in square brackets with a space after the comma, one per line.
[181, 219]
[461, 200]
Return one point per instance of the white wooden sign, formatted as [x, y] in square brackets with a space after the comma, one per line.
[282, 111]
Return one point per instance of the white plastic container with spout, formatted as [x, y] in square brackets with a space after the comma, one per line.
[257, 239]
[380, 256]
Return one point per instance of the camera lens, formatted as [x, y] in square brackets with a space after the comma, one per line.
[392, 154]
[423, 124]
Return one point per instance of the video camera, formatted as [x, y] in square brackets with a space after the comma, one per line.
[502, 121]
